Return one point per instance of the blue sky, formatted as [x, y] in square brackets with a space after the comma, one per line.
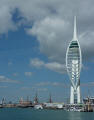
[17, 49]
[34, 36]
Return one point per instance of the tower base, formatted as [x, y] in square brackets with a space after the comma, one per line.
[75, 94]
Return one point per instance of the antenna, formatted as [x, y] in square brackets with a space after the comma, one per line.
[75, 29]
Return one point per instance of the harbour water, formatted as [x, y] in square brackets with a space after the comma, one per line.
[32, 114]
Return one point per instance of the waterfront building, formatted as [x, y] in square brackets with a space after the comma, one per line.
[88, 99]
[73, 64]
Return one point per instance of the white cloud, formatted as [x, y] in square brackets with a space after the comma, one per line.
[36, 62]
[52, 24]
[43, 84]
[87, 43]
[35, 89]
[27, 88]
[54, 30]
[10, 63]
[51, 33]
[88, 84]
[54, 84]
[7, 80]
[58, 84]
[6, 22]
[29, 74]
[15, 74]
[3, 86]
[42, 89]
[55, 66]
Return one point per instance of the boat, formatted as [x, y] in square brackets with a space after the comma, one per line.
[38, 107]
[75, 109]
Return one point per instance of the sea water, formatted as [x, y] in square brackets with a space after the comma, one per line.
[32, 114]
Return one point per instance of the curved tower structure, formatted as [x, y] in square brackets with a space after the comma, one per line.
[73, 64]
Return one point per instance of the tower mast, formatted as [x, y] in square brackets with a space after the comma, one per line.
[75, 30]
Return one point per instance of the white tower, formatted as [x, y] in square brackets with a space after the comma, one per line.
[73, 64]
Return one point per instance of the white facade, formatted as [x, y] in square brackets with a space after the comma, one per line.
[73, 64]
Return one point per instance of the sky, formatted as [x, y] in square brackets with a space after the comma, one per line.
[34, 36]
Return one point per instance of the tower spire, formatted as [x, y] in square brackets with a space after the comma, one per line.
[75, 29]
